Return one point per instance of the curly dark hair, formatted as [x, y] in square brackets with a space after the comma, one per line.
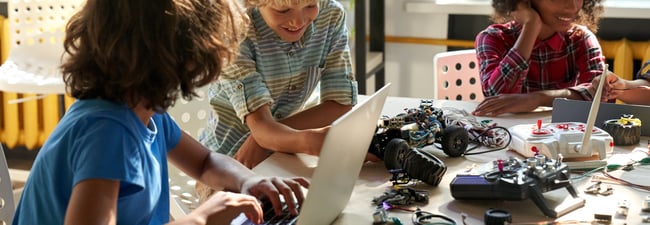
[589, 15]
[150, 51]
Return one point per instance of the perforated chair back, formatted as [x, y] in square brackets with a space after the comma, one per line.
[7, 204]
[36, 33]
[192, 117]
[456, 76]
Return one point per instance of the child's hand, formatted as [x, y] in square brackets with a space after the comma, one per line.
[613, 86]
[272, 187]
[222, 207]
[526, 14]
[507, 103]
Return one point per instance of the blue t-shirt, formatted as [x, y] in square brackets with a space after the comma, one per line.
[98, 139]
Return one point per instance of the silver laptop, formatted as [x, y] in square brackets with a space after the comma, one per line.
[339, 163]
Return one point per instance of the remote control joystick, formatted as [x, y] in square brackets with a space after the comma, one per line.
[516, 179]
[539, 131]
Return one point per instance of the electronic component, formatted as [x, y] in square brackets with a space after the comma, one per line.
[379, 216]
[645, 206]
[425, 218]
[515, 179]
[645, 219]
[402, 196]
[497, 217]
[594, 188]
[607, 191]
[623, 208]
[603, 218]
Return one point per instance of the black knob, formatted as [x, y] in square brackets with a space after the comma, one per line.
[497, 217]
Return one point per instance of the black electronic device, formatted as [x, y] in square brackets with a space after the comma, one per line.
[516, 179]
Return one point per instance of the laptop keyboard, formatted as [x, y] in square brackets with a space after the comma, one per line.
[271, 219]
[285, 218]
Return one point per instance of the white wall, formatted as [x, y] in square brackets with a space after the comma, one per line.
[409, 67]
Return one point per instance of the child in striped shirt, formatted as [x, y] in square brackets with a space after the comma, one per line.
[259, 100]
[291, 48]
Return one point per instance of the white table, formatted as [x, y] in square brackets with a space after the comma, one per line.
[374, 180]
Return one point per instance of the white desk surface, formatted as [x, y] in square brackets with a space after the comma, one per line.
[374, 180]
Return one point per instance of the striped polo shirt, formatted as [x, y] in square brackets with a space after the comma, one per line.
[281, 74]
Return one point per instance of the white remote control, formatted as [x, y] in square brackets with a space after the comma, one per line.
[560, 138]
[571, 140]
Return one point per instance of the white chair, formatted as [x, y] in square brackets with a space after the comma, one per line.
[32, 49]
[192, 117]
[456, 76]
[36, 33]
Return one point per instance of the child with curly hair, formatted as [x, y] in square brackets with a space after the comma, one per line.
[106, 162]
[537, 51]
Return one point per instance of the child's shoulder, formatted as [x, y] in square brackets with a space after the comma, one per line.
[331, 6]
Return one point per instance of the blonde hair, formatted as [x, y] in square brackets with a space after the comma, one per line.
[259, 3]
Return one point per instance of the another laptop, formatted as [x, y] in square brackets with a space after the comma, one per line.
[339, 163]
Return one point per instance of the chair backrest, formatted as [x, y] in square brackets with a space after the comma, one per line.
[36, 33]
[32, 49]
[192, 117]
[456, 76]
[7, 204]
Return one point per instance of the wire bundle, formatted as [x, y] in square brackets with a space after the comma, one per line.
[481, 134]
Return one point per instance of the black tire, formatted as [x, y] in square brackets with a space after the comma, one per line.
[394, 153]
[454, 141]
[623, 134]
[424, 166]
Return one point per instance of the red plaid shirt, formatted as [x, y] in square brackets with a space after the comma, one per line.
[565, 60]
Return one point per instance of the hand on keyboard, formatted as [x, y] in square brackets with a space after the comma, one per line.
[275, 188]
[225, 206]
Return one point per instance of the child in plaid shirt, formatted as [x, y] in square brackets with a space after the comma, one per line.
[538, 50]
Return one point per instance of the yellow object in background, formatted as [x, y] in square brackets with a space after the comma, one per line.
[10, 122]
[4, 39]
